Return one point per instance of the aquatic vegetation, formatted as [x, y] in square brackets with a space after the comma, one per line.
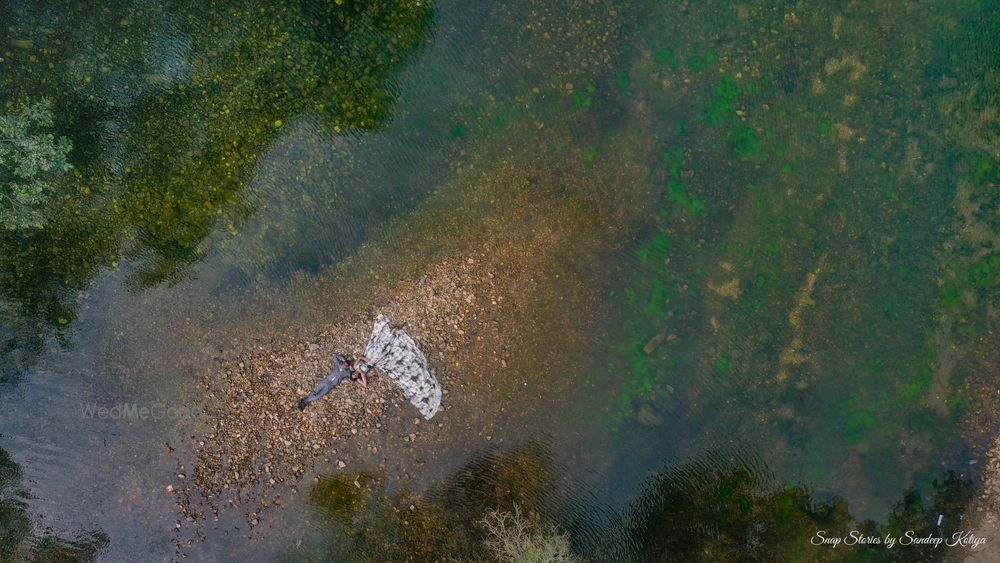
[744, 140]
[666, 57]
[721, 365]
[654, 251]
[722, 101]
[340, 498]
[622, 81]
[917, 385]
[646, 371]
[793, 177]
[675, 192]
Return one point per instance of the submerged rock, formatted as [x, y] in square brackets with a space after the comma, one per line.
[648, 416]
[653, 343]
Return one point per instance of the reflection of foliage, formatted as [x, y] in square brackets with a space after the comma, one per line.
[369, 524]
[715, 509]
[17, 540]
[513, 539]
[169, 108]
[719, 507]
[951, 495]
[28, 161]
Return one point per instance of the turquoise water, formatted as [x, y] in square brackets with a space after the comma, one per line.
[775, 229]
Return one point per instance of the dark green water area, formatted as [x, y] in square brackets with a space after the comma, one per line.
[799, 285]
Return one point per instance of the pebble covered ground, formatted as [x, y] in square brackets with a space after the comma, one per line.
[260, 440]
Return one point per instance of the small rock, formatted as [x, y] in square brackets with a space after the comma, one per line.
[341, 464]
[647, 416]
[653, 343]
[170, 488]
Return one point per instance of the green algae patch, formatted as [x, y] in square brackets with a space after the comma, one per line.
[984, 169]
[656, 303]
[857, 425]
[666, 57]
[921, 381]
[341, 497]
[622, 81]
[722, 101]
[679, 196]
[675, 193]
[744, 141]
[984, 276]
[654, 251]
[721, 366]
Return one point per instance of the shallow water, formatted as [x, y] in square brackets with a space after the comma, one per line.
[799, 200]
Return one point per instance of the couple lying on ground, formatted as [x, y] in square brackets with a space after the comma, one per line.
[394, 352]
[342, 369]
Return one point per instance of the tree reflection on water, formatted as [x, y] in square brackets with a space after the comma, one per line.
[721, 506]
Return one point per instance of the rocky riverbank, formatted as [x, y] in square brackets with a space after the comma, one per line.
[260, 444]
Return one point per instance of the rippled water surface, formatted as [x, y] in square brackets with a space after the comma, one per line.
[772, 256]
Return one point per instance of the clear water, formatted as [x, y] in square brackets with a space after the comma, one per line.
[800, 198]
